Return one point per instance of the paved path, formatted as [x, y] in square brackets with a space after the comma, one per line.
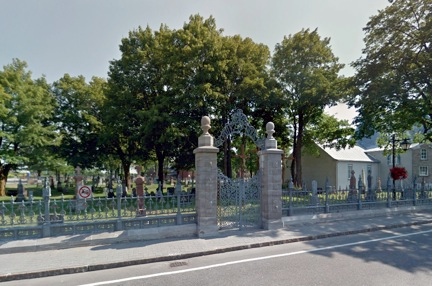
[63, 255]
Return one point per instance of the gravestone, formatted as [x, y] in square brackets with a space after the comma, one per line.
[353, 192]
[379, 187]
[139, 186]
[20, 192]
[80, 202]
[371, 195]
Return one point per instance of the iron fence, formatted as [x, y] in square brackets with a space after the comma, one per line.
[54, 217]
[331, 201]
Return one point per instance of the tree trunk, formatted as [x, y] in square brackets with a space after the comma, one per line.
[4, 171]
[292, 166]
[160, 159]
[297, 152]
[298, 170]
[227, 158]
[126, 174]
[2, 187]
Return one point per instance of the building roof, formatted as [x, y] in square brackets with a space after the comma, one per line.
[378, 149]
[352, 154]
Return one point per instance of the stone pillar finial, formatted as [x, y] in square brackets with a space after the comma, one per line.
[270, 129]
[270, 142]
[205, 125]
[205, 139]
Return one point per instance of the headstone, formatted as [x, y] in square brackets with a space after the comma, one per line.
[80, 202]
[159, 193]
[353, 192]
[371, 196]
[352, 181]
[139, 186]
[78, 178]
[20, 192]
[379, 187]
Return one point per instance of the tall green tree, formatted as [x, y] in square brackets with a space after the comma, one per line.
[393, 78]
[78, 119]
[219, 74]
[133, 122]
[26, 110]
[307, 71]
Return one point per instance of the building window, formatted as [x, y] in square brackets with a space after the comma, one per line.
[349, 169]
[397, 159]
[423, 171]
[424, 154]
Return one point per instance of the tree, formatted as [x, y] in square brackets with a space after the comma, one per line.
[393, 79]
[219, 75]
[26, 108]
[244, 86]
[168, 79]
[78, 120]
[133, 123]
[307, 72]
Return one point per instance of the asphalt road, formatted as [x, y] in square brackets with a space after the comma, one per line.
[400, 256]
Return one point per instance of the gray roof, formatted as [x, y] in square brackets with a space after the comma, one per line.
[352, 154]
[378, 149]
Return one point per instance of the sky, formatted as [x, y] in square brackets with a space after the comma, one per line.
[80, 37]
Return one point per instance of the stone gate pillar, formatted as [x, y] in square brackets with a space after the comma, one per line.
[206, 182]
[271, 179]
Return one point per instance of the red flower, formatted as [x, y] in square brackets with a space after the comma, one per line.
[398, 173]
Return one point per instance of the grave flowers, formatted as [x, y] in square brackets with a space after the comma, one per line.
[398, 173]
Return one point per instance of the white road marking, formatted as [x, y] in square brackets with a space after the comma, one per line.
[250, 260]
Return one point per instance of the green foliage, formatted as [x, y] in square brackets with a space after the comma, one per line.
[166, 80]
[307, 72]
[394, 77]
[26, 110]
[329, 132]
[78, 120]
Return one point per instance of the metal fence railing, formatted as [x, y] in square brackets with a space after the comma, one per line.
[329, 201]
[56, 217]
[53, 217]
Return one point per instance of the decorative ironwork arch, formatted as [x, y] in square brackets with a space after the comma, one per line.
[239, 125]
[239, 199]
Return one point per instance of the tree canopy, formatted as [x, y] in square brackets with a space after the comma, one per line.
[26, 110]
[152, 102]
[393, 80]
[79, 106]
[307, 72]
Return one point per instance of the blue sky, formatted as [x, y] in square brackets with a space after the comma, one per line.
[80, 37]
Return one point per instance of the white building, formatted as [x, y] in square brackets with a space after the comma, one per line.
[335, 166]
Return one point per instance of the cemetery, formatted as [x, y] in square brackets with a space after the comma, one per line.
[210, 202]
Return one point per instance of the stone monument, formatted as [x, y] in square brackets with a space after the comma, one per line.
[353, 192]
[20, 192]
[81, 203]
[139, 186]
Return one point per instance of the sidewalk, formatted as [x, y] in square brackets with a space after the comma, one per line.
[64, 255]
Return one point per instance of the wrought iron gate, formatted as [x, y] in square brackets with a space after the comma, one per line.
[239, 200]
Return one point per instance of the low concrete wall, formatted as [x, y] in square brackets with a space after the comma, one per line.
[176, 231]
[325, 217]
